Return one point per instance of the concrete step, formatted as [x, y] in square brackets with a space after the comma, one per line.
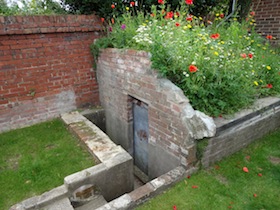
[97, 202]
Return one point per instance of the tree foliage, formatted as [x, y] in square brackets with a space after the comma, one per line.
[3, 7]
[103, 7]
[32, 7]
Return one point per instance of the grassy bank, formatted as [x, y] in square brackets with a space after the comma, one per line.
[36, 159]
[249, 179]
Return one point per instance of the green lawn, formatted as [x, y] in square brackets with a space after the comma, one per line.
[227, 186]
[36, 159]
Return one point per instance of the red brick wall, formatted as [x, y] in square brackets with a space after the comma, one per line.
[267, 17]
[45, 67]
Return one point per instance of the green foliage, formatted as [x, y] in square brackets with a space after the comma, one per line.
[227, 186]
[222, 67]
[100, 7]
[201, 146]
[243, 8]
[33, 7]
[36, 159]
[103, 7]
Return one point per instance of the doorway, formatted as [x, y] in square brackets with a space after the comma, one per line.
[140, 136]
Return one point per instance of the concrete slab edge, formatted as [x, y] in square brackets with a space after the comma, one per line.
[261, 107]
[40, 201]
[149, 190]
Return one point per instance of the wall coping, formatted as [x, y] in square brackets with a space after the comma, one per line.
[260, 106]
[49, 24]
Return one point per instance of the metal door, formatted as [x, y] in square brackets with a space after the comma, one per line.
[140, 135]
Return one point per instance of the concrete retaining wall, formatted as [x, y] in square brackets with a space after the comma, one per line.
[114, 174]
[111, 177]
[242, 129]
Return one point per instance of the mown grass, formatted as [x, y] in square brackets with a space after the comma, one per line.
[226, 186]
[36, 159]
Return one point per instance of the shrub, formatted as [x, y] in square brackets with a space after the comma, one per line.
[221, 66]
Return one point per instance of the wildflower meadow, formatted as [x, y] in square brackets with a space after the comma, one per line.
[222, 65]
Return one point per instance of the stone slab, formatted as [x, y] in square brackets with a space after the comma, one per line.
[62, 204]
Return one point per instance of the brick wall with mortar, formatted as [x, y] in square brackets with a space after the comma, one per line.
[45, 67]
[267, 18]
[124, 75]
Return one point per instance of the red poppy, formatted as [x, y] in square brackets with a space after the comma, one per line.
[255, 195]
[194, 186]
[252, 13]
[174, 207]
[269, 86]
[260, 174]
[102, 20]
[152, 15]
[132, 3]
[178, 14]
[215, 36]
[169, 15]
[192, 68]
[160, 1]
[177, 24]
[189, 177]
[222, 15]
[269, 37]
[189, 18]
[250, 55]
[113, 6]
[245, 169]
[189, 2]
[243, 55]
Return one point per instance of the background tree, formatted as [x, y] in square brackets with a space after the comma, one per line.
[3, 7]
[103, 7]
[243, 8]
[32, 7]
